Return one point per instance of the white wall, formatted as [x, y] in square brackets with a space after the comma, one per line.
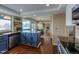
[59, 26]
[69, 14]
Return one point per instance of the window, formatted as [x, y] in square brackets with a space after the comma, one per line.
[26, 25]
[33, 27]
[5, 25]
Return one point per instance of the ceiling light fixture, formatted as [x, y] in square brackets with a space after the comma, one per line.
[47, 5]
[34, 15]
[21, 10]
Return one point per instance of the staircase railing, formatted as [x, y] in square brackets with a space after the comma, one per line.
[60, 48]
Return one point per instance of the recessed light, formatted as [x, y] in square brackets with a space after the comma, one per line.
[34, 15]
[47, 5]
[21, 10]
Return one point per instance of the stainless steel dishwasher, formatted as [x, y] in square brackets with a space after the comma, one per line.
[11, 41]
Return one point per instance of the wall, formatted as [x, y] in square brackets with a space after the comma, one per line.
[59, 27]
[69, 14]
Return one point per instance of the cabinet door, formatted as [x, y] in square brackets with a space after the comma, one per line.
[24, 38]
[17, 38]
[3, 45]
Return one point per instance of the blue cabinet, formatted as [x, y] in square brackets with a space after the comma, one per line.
[17, 38]
[3, 43]
[14, 39]
[30, 39]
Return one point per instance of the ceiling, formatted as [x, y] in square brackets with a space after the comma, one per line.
[29, 7]
[38, 9]
[39, 12]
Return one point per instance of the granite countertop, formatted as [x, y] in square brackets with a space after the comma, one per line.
[8, 33]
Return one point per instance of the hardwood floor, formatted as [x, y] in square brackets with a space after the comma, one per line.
[24, 49]
[45, 48]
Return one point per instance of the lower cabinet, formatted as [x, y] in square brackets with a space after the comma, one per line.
[8, 41]
[14, 39]
[17, 38]
[3, 44]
